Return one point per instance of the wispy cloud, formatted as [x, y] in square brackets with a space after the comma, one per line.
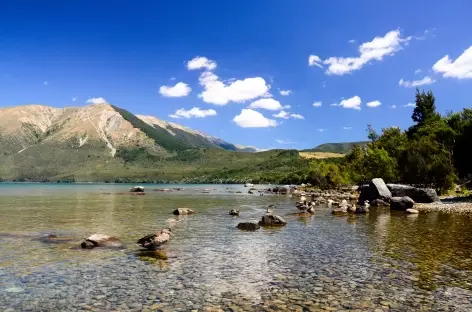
[374, 104]
[195, 112]
[46, 83]
[285, 141]
[410, 105]
[96, 100]
[285, 92]
[347, 128]
[317, 104]
[75, 98]
[393, 106]
[416, 83]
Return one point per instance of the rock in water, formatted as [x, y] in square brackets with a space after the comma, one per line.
[311, 210]
[412, 211]
[154, 241]
[137, 189]
[183, 211]
[339, 210]
[234, 212]
[377, 189]
[419, 195]
[401, 203]
[378, 202]
[248, 226]
[101, 240]
[362, 209]
[272, 220]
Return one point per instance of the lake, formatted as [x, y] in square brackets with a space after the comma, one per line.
[382, 261]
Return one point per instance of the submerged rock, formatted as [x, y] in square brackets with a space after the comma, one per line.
[101, 240]
[401, 203]
[272, 220]
[248, 226]
[183, 211]
[419, 195]
[234, 212]
[362, 209]
[154, 241]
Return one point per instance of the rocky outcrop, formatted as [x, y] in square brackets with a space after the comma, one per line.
[376, 189]
[154, 241]
[101, 240]
[401, 203]
[234, 212]
[419, 195]
[248, 226]
[183, 211]
[272, 220]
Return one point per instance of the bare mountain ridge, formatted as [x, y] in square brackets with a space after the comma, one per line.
[25, 126]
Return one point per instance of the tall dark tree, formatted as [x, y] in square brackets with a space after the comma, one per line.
[425, 107]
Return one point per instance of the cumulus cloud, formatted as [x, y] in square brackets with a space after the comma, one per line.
[410, 105]
[314, 60]
[354, 103]
[296, 116]
[97, 100]
[269, 104]
[249, 118]
[416, 83]
[374, 50]
[46, 83]
[374, 104]
[285, 92]
[461, 68]
[179, 90]
[219, 93]
[201, 62]
[317, 104]
[194, 112]
[75, 98]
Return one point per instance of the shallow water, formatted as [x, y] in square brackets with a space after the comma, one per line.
[383, 260]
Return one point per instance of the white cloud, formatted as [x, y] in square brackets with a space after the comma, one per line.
[46, 83]
[410, 105]
[75, 98]
[179, 90]
[418, 71]
[352, 41]
[321, 130]
[217, 92]
[314, 60]
[416, 83]
[393, 106]
[374, 104]
[354, 103]
[269, 104]
[282, 114]
[201, 62]
[285, 141]
[297, 116]
[97, 100]
[347, 128]
[172, 78]
[287, 115]
[374, 50]
[194, 112]
[249, 118]
[316, 104]
[461, 68]
[285, 92]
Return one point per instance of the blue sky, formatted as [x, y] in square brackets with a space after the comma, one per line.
[227, 61]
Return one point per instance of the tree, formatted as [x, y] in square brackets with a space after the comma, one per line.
[372, 134]
[378, 164]
[425, 107]
[393, 140]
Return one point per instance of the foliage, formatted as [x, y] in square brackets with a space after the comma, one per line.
[339, 148]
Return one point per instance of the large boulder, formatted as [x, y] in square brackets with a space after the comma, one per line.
[272, 220]
[419, 195]
[248, 226]
[183, 211]
[376, 189]
[101, 240]
[401, 203]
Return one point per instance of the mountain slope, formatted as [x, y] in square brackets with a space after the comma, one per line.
[339, 148]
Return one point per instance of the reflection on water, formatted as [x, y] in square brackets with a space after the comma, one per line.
[383, 259]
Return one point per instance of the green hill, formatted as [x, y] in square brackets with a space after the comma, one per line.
[339, 148]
